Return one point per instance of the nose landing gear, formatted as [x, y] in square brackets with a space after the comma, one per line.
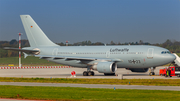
[152, 71]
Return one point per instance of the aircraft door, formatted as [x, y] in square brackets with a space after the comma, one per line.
[107, 54]
[150, 53]
[54, 52]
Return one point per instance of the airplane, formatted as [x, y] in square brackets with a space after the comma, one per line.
[104, 59]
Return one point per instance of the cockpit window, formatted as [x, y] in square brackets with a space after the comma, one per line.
[165, 52]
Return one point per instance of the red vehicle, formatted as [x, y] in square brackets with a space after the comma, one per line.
[162, 72]
[172, 71]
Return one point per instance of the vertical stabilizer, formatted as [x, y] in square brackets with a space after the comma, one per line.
[35, 35]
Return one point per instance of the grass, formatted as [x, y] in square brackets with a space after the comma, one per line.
[86, 94]
[178, 54]
[156, 82]
[29, 61]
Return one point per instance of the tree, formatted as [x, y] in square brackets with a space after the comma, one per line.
[140, 42]
[13, 42]
[112, 43]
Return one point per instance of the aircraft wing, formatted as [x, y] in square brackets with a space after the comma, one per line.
[79, 58]
[22, 50]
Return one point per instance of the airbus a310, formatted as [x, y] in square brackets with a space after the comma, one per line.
[104, 59]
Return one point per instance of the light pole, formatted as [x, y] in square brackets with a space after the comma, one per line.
[20, 48]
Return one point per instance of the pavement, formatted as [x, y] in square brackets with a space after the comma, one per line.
[106, 86]
[66, 73]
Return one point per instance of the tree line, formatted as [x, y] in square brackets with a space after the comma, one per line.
[173, 46]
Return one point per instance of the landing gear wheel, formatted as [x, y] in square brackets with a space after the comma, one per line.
[85, 73]
[151, 73]
[88, 73]
[92, 73]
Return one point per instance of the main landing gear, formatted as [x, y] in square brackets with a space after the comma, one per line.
[88, 72]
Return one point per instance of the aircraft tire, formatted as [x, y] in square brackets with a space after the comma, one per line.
[92, 73]
[89, 73]
[151, 73]
[85, 73]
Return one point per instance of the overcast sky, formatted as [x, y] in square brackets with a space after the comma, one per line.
[152, 21]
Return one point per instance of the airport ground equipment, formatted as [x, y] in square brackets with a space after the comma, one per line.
[177, 60]
[170, 71]
[162, 72]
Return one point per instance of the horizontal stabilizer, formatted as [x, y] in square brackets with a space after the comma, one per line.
[22, 50]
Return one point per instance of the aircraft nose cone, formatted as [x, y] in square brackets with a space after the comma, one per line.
[172, 57]
[168, 58]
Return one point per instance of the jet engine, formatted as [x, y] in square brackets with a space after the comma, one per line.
[105, 67]
[138, 69]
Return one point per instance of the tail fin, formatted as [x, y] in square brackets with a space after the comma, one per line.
[35, 35]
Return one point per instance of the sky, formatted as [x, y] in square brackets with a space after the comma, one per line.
[152, 21]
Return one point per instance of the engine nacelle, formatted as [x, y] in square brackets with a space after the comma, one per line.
[105, 67]
[138, 69]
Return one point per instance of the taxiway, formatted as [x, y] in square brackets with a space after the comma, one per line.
[66, 73]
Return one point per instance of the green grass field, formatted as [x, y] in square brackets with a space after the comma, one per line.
[178, 54]
[156, 82]
[86, 94]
